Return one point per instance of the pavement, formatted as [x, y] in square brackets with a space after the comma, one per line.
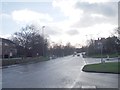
[62, 72]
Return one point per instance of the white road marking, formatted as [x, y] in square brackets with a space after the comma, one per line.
[77, 79]
[88, 87]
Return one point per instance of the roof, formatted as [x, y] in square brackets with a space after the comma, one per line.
[6, 40]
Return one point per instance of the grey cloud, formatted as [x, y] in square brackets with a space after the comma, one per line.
[72, 32]
[107, 9]
[52, 30]
[87, 21]
[119, 14]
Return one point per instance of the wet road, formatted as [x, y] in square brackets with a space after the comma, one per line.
[58, 73]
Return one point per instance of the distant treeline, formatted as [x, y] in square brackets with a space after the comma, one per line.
[30, 43]
[106, 46]
[61, 50]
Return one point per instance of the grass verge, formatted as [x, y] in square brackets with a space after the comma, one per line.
[104, 55]
[109, 67]
[11, 61]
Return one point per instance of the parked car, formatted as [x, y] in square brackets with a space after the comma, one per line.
[74, 54]
[84, 55]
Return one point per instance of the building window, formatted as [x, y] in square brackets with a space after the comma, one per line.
[6, 44]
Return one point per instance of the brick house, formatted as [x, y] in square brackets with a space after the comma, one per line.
[7, 48]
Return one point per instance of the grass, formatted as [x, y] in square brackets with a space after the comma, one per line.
[104, 55]
[11, 61]
[110, 67]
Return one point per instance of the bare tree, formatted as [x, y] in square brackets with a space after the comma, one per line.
[30, 41]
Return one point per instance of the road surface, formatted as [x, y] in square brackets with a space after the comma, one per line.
[57, 73]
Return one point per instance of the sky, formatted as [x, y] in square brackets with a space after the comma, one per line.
[74, 21]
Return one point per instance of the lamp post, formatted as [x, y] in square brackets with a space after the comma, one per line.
[101, 50]
[87, 44]
[43, 39]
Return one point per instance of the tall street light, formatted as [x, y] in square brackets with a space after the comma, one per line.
[43, 39]
[87, 44]
[101, 47]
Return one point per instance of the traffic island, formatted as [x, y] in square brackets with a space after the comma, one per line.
[109, 67]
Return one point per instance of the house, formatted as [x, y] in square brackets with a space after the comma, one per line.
[7, 48]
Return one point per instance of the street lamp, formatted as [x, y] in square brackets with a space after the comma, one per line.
[101, 50]
[43, 39]
[87, 44]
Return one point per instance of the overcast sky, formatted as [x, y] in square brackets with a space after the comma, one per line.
[65, 21]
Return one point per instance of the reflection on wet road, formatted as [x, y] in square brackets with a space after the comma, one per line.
[58, 73]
